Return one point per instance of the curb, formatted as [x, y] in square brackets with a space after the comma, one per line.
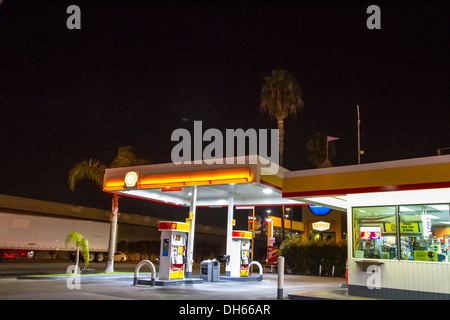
[86, 276]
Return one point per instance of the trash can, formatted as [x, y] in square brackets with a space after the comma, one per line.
[215, 270]
[210, 270]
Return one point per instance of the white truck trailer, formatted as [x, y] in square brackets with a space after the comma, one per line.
[22, 236]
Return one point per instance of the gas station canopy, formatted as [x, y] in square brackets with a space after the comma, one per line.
[332, 187]
[252, 183]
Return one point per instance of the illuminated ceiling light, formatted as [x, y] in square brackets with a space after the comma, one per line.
[267, 191]
[440, 207]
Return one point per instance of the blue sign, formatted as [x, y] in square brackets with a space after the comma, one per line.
[165, 252]
[319, 210]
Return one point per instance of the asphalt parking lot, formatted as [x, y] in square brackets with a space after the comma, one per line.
[121, 286]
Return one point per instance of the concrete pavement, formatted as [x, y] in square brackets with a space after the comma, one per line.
[109, 287]
[121, 287]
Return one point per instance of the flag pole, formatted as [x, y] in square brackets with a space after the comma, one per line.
[359, 136]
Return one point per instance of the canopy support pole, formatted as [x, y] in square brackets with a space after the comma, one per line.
[190, 244]
[229, 229]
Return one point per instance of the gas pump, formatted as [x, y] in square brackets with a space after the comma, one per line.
[172, 257]
[240, 253]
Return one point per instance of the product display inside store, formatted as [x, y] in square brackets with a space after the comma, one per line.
[406, 232]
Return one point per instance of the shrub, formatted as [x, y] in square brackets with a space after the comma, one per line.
[122, 246]
[305, 257]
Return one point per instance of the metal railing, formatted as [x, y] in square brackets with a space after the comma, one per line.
[136, 273]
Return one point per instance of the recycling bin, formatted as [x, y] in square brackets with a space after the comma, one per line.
[210, 270]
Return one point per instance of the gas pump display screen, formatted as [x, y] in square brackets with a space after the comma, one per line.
[370, 233]
[177, 237]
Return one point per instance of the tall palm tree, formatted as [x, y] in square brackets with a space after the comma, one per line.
[82, 246]
[94, 170]
[281, 96]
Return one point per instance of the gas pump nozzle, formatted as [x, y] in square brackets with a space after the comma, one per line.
[226, 259]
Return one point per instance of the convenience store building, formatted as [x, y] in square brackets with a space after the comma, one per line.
[398, 219]
[398, 223]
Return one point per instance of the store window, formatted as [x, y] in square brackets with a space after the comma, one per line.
[424, 232]
[375, 232]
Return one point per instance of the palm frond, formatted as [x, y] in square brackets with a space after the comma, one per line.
[81, 243]
[84, 249]
[73, 237]
[90, 169]
[126, 158]
[281, 95]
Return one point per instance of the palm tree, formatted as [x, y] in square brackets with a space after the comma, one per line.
[82, 246]
[281, 96]
[94, 170]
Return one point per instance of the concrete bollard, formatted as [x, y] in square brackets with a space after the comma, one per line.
[280, 261]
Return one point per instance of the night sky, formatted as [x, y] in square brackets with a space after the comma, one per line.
[137, 70]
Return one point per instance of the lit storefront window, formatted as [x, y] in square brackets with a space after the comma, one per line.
[374, 231]
[423, 232]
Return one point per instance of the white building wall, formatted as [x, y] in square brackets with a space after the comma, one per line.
[411, 276]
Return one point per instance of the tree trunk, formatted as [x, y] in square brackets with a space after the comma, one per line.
[281, 139]
[77, 259]
[112, 234]
[282, 226]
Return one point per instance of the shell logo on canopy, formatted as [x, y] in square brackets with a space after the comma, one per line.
[131, 179]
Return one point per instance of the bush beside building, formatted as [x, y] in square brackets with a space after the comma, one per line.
[305, 257]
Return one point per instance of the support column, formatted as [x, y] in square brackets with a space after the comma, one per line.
[229, 228]
[190, 244]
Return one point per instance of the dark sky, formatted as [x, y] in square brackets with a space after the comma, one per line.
[137, 70]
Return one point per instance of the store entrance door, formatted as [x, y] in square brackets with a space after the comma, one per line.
[319, 235]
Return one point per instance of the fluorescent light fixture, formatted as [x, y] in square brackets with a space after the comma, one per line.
[405, 209]
[440, 207]
[370, 228]
[267, 191]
